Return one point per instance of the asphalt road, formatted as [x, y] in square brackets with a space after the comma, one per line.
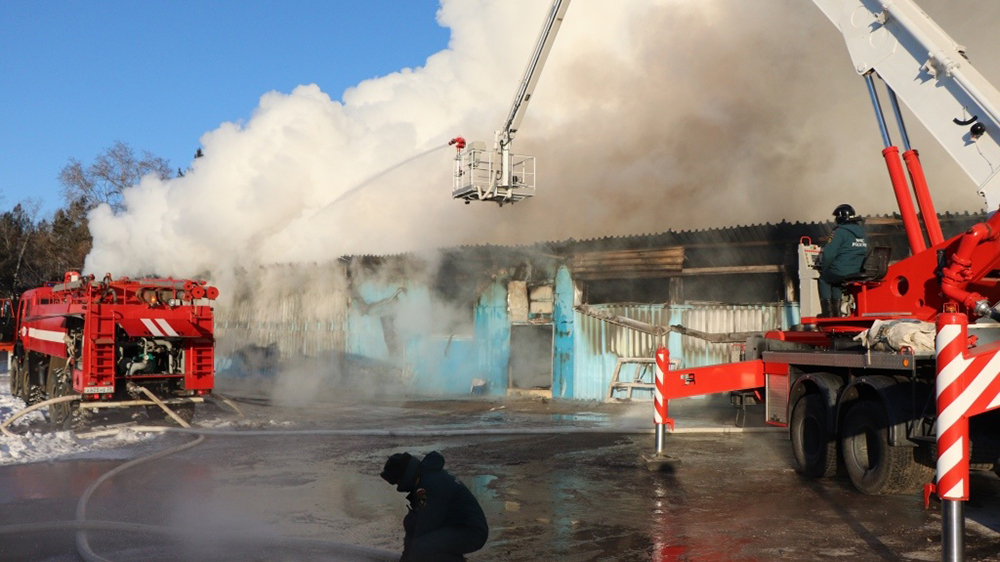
[572, 497]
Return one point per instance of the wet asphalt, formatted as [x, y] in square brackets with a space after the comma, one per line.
[570, 497]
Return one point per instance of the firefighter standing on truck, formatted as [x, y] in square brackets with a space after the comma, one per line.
[843, 256]
[443, 521]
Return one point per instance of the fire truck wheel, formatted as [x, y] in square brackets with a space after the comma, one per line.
[58, 385]
[15, 381]
[30, 365]
[814, 447]
[35, 394]
[874, 466]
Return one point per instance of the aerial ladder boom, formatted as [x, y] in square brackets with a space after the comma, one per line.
[922, 65]
[500, 176]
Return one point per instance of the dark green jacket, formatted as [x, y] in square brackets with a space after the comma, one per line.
[846, 251]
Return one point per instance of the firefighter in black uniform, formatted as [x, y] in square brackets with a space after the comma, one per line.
[444, 521]
[840, 258]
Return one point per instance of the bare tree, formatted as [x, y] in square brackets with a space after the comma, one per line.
[17, 236]
[106, 178]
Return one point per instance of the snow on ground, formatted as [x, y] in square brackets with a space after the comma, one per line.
[30, 445]
[35, 442]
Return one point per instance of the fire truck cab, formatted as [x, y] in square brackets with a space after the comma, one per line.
[6, 329]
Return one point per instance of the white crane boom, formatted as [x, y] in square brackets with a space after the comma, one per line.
[498, 175]
[546, 37]
[929, 71]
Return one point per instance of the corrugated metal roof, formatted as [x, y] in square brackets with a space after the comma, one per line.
[754, 244]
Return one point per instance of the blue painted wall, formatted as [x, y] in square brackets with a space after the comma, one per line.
[563, 343]
[492, 333]
[585, 350]
[598, 345]
[364, 329]
[402, 315]
[443, 364]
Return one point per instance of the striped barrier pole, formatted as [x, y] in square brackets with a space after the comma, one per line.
[952, 482]
[660, 418]
[967, 384]
[660, 460]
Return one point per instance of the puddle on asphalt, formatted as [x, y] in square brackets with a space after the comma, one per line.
[479, 485]
[581, 417]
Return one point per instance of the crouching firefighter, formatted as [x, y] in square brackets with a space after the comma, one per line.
[841, 258]
[444, 521]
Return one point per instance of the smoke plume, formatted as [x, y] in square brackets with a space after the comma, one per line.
[650, 115]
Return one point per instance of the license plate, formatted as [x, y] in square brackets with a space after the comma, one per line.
[99, 390]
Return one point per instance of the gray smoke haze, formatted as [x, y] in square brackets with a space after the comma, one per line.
[650, 115]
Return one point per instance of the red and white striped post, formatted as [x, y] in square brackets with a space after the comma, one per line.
[967, 384]
[659, 404]
[660, 418]
[952, 482]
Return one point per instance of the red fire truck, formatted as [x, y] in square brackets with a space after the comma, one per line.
[109, 342]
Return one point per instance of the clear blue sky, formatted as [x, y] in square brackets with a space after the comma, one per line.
[75, 76]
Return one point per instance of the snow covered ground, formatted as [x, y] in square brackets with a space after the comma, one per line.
[35, 442]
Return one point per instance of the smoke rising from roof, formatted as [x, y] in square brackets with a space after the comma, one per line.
[650, 115]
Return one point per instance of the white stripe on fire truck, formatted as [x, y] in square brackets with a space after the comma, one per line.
[151, 327]
[166, 327]
[47, 335]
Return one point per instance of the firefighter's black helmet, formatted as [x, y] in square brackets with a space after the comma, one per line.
[844, 213]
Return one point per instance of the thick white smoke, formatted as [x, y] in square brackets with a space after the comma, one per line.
[650, 115]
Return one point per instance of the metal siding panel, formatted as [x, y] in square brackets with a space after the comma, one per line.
[307, 319]
[492, 332]
[715, 318]
[600, 344]
[593, 365]
[563, 320]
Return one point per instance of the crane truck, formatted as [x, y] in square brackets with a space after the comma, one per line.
[113, 343]
[899, 412]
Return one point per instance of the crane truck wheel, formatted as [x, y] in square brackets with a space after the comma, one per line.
[873, 465]
[815, 448]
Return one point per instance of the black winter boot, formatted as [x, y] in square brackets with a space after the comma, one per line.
[825, 307]
[835, 308]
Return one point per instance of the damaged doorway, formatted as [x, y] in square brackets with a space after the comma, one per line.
[531, 359]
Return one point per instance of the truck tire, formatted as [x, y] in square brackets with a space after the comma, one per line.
[815, 448]
[58, 384]
[874, 466]
[30, 370]
[17, 386]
